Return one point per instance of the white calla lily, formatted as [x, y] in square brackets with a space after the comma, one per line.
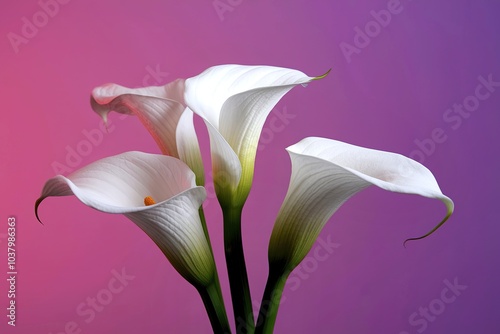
[162, 111]
[158, 193]
[325, 173]
[234, 101]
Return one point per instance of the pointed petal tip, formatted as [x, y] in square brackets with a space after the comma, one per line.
[37, 204]
[322, 76]
[450, 208]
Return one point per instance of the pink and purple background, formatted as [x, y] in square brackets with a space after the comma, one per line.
[393, 93]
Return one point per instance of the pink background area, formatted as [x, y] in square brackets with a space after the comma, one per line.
[390, 95]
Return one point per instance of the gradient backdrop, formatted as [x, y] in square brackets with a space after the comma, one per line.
[390, 88]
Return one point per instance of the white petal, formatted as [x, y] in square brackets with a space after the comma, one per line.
[226, 166]
[188, 147]
[206, 93]
[235, 100]
[119, 184]
[158, 108]
[325, 173]
[175, 227]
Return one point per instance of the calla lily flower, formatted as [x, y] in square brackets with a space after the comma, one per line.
[158, 193]
[326, 173]
[234, 101]
[162, 111]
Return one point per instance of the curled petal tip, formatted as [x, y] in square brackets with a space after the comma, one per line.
[450, 206]
[37, 204]
[323, 75]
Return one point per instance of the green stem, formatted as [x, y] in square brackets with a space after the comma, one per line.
[237, 271]
[212, 296]
[214, 304]
[270, 302]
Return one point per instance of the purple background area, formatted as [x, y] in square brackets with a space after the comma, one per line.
[391, 94]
